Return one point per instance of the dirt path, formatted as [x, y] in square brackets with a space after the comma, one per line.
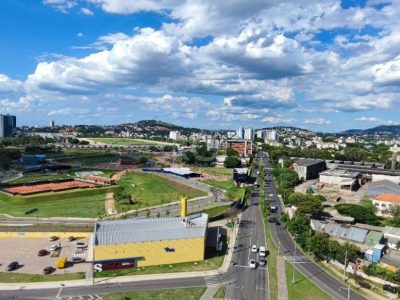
[110, 204]
[117, 176]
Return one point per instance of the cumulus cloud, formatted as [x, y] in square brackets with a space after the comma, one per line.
[87, 11]
[8, 85]
[317, 121]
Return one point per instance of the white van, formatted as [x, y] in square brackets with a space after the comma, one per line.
[262, 251]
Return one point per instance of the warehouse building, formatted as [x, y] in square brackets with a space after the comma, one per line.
[307, 168]
[152, 241]
[243, 147]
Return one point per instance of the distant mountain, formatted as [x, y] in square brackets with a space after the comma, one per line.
[381, 130]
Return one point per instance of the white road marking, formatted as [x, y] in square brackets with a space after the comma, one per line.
[59, 293]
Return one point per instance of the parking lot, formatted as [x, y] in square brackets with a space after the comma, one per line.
[25, 252]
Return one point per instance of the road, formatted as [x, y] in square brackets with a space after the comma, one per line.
[242, 282]
[335, 288]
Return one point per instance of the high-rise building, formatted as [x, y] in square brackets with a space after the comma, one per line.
[248, 134]
[240, 133]
[175, 135]
[272, 135]
[52, 124]
[7, 125]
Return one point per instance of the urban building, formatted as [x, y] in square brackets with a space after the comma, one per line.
[243, 147]
[151, 241]
[240, 175]
[8, 125]
[392, 236]
[271, 136]
[240, 133]
[175, 135]
[212, 144]
[384, 202]
[381, 187]
[343, 179]
[52, 124]
[307, 168]
[248, 134]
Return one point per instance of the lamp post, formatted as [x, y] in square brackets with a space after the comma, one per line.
[295, 252]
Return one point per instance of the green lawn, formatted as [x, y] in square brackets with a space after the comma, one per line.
[11, 277]
[149, 190]
[233, 192]
[214, 171]
[75, 203]
[170, 294]
[303, 288]
[37, 177]
[126, 141]
[220, 294]
[88, 159]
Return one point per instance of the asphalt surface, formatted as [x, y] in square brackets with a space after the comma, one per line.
[335, 288]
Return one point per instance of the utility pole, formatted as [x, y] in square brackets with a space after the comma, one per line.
[345, 263]
[295, 250]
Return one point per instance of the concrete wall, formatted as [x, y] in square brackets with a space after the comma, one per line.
[186, 250]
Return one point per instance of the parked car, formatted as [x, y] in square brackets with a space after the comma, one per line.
[262, 252]
[54, 247]
[254, 248]
[78, 251]
[81, 245]
[42, 252]
[263, 262]
[77, 260]
[252, 264]
[48, 270]
[53, 238]
[71, 238]
[12, 266]
[390, 288]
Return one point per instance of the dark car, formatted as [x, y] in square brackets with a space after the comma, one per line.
[71, 238]
[48, 270]
[390, 288]
[263, 262]
[77, 260]
[53, 238]
[12, 266]
[42, 252]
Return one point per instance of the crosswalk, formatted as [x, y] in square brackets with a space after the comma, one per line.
[87, 297]
[215, 280]
[297, 259]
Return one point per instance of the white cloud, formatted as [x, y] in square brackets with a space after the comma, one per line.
[61, 5]
[8, 85]
[87, 11]
[317, 121]
[60, 112]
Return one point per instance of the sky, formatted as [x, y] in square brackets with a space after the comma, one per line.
[323, 65]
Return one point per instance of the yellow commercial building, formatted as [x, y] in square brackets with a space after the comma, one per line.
[146, 242]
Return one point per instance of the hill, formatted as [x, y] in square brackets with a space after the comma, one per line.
[381, 130]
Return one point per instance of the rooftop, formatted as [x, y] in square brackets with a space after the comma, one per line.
[340, 173]
[307, 161]
[382, 187]
[147, 230]
[179, 171]
[241, 170]
[389, 198]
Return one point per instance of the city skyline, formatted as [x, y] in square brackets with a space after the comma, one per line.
[329, 67]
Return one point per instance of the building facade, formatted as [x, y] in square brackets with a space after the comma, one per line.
[248, 134]
[307, 168]
[7, 125]
[385, 202]
[243, 147]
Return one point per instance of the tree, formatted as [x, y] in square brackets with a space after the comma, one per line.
[232, 162]
[319, 246]
[393, 210]
[231, 214]
[358, 212]
[231, 152]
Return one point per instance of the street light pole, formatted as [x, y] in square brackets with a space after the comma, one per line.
[295, 250]
[345, 262]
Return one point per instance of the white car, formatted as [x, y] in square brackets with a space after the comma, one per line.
[263, 251]
[54, 247]
[252, 264]
[81, 245]
[254, 249]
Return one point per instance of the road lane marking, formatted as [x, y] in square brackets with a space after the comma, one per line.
[59, 293]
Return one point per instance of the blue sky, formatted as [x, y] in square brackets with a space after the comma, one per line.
[213, 64]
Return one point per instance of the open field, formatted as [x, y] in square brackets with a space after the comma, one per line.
[7, 277]
[214, 171]
[88, 159]
[303, 288]
[150, 190]
[170, 294]
[126, 141]
[233, 192]
[75, 203]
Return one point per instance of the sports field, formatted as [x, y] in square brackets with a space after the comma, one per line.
[125, 141]
[150, 190]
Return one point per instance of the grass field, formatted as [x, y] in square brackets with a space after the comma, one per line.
[303, 288]
[8, 277]
[220, 294]
[38, 177]
[75, 203]
[149, 190]
[125, 141]
[86, 159]
[214, 171]
[170, 294]
[233, 192]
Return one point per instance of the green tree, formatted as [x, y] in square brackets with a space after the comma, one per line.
[319, 246]
[232, 162]
[231, 152]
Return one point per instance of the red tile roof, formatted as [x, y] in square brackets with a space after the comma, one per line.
[389, 198]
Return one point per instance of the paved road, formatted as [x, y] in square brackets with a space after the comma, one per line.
[327, 283]
[249, 283]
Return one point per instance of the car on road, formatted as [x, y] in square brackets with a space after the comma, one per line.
[42, 252]
[263, 262]
[53, 238]
[271, 195]
[81, 245]
[12, 266]
[389, 288]
[48, 270]
[262, 252]
[77, 260]
[252, 264]
[273, 209]
[254, 248]
[71, 238]
[54, 248]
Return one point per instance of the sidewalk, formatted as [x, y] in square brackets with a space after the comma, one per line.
[130, 278]
[282, 284]
[209, 293]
